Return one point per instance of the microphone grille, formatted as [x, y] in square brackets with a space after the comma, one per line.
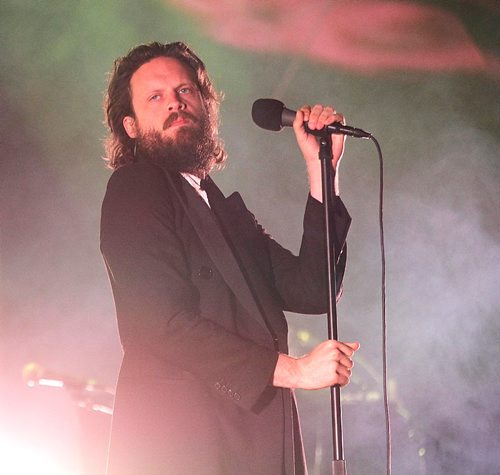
[266, 113]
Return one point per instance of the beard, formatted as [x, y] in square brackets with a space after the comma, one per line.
[192, 150]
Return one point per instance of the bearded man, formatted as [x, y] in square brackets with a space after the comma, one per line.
[206, 384]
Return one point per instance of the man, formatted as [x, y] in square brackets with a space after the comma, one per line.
[200, 288]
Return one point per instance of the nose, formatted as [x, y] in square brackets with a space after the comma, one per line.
[176, 103]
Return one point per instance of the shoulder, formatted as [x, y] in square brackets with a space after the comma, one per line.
[140, 181]
[137, 177]
[137, 188]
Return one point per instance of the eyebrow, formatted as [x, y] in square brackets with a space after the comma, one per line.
[155, 88]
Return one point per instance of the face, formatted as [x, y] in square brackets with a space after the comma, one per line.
[166, 100]
[171, 125]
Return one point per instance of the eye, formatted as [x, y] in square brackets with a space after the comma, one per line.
[186, 90]
[154, 97]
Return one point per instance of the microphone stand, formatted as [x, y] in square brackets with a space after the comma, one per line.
[327, 181]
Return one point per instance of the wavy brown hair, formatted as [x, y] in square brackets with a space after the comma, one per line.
[118, 100]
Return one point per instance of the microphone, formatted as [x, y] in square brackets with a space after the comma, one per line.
[271, 114]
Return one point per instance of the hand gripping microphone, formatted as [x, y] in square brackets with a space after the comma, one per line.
[271, 114]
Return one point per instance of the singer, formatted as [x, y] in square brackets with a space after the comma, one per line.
[206, 384]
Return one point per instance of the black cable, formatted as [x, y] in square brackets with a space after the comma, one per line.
[384, 319]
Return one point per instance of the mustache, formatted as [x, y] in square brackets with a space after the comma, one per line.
[176, 115]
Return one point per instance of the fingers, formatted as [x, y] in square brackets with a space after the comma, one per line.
[344, 371]
[355, 345]
[328, 364]
[346, 362]
[347, 348]
[342, 357]
[318, 116]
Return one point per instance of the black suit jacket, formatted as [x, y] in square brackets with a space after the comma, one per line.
[199, 296]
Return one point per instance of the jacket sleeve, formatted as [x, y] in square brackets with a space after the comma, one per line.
[301, 280]
[156, 302]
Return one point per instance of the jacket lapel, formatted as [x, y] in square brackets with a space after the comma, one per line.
[212, 238]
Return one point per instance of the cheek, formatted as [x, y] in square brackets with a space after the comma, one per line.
[200, 103]
[151, 120]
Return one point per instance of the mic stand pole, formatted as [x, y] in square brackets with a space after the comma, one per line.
[327, 181]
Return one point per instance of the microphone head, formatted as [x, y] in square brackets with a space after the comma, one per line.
[266, 113]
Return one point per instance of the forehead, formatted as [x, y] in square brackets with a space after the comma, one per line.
[162, 70]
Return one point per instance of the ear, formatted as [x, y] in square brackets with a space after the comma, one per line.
[129, 126]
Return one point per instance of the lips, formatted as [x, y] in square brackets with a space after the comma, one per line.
[178, 119]
[179, 122]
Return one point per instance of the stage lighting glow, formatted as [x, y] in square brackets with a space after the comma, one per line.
[18, 458]
[304, 336]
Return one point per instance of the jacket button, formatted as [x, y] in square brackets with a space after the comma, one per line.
[205, 272]
[217, 386]
[223, 389]
[237, 396]
[230, 393]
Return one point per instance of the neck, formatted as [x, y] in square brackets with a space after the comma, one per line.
[201, 174]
